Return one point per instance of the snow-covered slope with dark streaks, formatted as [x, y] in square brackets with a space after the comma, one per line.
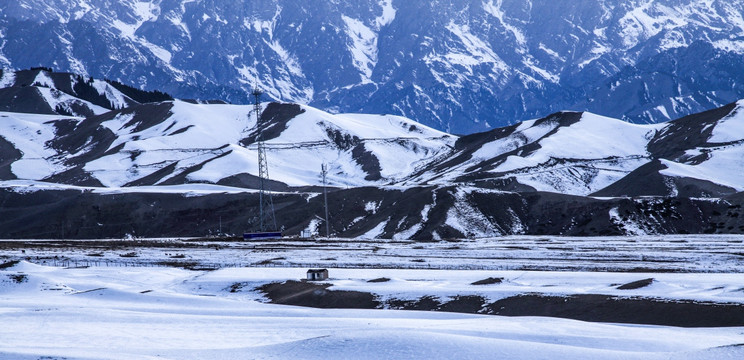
[136, 169]
[174, 142]
[178, 142]
[586, 154]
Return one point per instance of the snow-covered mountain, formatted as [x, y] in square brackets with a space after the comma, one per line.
[174, 141]
[84, 157]
[461, 66]
[124, 142]
[42, 91]
[586, 154]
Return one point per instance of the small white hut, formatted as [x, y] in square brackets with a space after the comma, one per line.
[317, 274]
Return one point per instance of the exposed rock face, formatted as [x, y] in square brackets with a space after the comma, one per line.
[461, 66]
[361, 212]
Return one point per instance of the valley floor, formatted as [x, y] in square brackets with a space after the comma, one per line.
[647, 253]
[195, 299]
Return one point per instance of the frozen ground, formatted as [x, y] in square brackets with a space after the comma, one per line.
[138, 307]
[667, 253]
[168, 313]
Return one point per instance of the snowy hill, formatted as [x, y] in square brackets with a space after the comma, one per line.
[42, 91]
[211, 143]
[459, 66]
[172, 142]
[586, 154]
[149, 167]
[574, 153]
[698, 155]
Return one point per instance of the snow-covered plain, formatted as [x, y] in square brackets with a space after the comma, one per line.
[167, 313]
[134, 306]
[663, 253]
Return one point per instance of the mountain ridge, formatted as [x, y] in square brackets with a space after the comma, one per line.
[578, 153]
[177, 168]
[461, 66]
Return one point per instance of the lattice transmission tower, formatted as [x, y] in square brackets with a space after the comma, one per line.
[266, 202]
[324, 173]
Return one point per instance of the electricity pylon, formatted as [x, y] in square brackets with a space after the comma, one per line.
[324, 172]
[266, 202]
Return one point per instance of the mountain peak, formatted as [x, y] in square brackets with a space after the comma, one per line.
[458, 66]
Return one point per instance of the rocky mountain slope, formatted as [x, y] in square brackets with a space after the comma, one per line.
[460, 66]
[147, 164]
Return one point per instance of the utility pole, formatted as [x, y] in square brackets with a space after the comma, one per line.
[324, 172]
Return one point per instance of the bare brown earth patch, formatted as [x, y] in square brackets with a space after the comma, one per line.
[602, 308]
[488, 281]
[593, 308]
[317, 295]
[636, 284]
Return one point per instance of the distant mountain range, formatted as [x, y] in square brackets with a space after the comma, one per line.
[460, 66]
[147, 162]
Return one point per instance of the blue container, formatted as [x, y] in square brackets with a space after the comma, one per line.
[262, 235]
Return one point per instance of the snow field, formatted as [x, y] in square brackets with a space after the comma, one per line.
[24, 186]
[29, 134]
[700, 268]
[144, 313]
